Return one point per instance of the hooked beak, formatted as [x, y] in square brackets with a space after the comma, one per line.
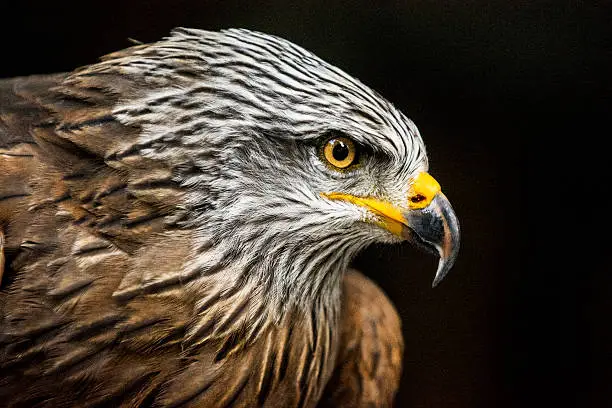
[435, 228]
[429, 222]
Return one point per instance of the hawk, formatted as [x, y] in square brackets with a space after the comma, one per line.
[177, 222]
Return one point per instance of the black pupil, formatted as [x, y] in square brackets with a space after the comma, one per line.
[340, 151]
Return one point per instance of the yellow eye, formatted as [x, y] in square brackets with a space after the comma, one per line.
[340, 152]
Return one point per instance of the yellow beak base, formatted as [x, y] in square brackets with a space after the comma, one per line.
[390, 217]
[422, 190]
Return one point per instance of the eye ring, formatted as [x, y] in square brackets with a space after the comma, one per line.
[340, 152]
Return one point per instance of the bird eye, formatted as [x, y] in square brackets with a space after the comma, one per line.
[340, 152]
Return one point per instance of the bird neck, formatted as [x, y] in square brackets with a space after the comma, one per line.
[252, 283]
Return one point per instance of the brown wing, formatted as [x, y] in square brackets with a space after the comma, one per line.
[368, 367]
[1, 255]
[73, 221]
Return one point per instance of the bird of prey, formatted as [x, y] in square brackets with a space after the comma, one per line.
[177, 222]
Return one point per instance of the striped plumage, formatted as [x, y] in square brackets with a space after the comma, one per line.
[165, 236]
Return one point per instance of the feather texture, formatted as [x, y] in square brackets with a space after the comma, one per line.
[163, 242]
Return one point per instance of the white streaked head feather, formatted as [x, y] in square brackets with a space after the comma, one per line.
[238, 114]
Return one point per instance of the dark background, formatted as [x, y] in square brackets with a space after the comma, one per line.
[509, 97]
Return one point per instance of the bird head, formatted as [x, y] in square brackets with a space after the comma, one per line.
[289, 165]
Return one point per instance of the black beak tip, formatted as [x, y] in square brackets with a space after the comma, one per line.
[444, 266]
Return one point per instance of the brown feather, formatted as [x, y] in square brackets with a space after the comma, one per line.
[369, 363]
[1, 255]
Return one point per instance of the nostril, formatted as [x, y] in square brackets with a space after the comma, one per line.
[417, 198]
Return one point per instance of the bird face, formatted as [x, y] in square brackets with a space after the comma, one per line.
[344, 187]
[364, 193]
[295, 159]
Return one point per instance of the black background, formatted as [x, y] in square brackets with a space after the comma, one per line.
[509, 97]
